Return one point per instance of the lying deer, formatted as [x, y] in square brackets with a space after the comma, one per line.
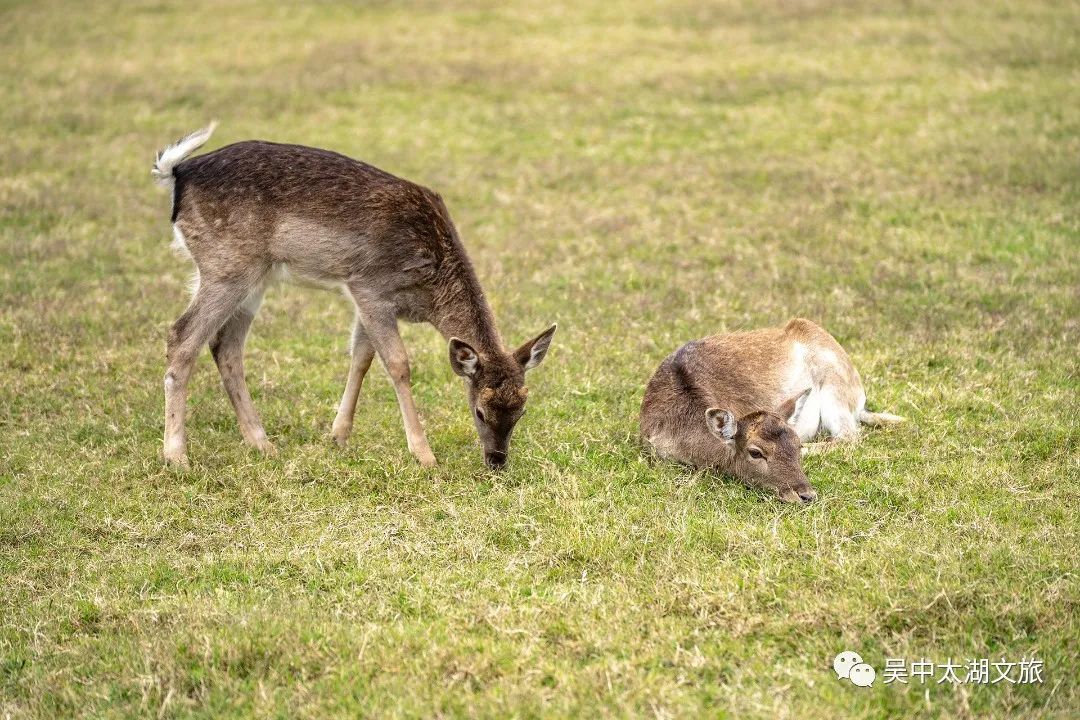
[253, 212]
[744, 402]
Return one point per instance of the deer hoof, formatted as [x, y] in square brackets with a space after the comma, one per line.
[177, 460]
[258, 440]
[341, 433]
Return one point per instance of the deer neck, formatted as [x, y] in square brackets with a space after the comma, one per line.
[461, 310]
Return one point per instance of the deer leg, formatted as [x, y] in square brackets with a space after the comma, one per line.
[383, 334]
[837, 415]
[362, 355]
[227, 347]
[212, 305]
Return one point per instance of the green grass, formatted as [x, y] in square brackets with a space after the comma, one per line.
[906, 174]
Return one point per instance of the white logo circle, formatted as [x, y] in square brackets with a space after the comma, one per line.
[843, 663]
[863, 675]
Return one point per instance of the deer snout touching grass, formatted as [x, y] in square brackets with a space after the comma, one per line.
[743, 403]
[253, 212]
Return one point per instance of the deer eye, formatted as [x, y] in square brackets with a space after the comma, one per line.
[479, 414]
[757, 454]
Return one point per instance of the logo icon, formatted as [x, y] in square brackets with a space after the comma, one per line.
[849, 665]
[843, 663]
[863, 675]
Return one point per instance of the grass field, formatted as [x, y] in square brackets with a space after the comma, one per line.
[906, 174]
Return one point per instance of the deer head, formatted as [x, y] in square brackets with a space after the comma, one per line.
[496, 389]
[764, 448]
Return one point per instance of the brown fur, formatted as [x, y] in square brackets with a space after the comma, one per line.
[255, 210]
[762, 378]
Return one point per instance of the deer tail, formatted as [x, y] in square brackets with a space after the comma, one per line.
[878, 419]
[170, 157]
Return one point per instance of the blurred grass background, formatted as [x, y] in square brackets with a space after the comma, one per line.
[904, 173]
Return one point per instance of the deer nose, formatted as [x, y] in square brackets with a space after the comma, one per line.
[807, 496]
[495, 459]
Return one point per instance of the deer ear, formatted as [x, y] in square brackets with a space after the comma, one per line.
[463, 358]
[792, 407]
[721, 423]
[532, 353]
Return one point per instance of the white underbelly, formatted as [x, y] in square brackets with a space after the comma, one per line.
[809, 421]
[809, 418]
[824, 412]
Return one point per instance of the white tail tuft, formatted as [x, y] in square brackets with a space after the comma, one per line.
[877, 419]
[168, 158]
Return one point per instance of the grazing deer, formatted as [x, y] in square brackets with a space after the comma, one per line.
[743, 402]
[253, 212]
